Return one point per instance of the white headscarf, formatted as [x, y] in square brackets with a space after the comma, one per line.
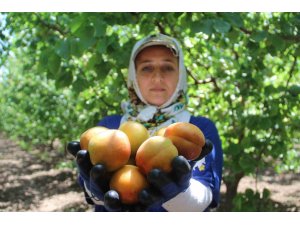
[174, 109]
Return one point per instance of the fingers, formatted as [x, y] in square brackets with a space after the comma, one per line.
[112, 201]
[84, 163]
[206, 149]
[73, 147]
[163, 183]
[87, 197]
[170, 184]
[150, 197]
[99, 176]
[181, 171]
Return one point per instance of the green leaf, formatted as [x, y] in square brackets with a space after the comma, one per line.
[246, 163]
[246, 142]
[204, 26]
[86, 36]
[234, 35]
[297, 51]
[258, 36]
[234, 19]
[277, 42]
[19, 43]
[267, 122]
[102, 45]
[75, 47]
[54, 63]
[76, 23]
[266, 193]
[294, 90]
[249, 193]
[100, 28]
[43, 61]
[221, 26]
[63, 49]
[80, 84]
[234, 149]
[50, 75]
[92, 61]
[64, 79]
[269, 90]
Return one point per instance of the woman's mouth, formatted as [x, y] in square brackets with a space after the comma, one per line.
[157, 89]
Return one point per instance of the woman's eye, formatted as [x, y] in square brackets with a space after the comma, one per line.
[147, 69]
[168, 68]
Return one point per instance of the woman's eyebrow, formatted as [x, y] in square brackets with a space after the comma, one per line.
[149, 61]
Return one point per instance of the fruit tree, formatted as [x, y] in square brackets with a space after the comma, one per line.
[59, 71]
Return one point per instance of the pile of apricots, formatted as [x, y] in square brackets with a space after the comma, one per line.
[129, 152]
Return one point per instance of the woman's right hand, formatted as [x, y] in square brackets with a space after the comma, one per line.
[94, 178]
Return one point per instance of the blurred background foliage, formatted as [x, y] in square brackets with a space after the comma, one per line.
[60, 73]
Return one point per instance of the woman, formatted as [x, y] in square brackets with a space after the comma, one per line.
[157, 85]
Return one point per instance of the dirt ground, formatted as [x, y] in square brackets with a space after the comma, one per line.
[28, 183]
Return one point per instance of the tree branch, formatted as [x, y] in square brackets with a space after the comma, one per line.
[244, 30]
[236, 54]
[160, 27]
[54, 27]
[205, 81]
[295, 38]
[291, 38]
[291, 72]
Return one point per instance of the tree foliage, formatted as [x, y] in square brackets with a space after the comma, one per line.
[62, 72]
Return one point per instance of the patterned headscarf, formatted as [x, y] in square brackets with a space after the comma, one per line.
[174, 109]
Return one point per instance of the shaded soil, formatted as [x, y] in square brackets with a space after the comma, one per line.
[29, 183]
[284, 188]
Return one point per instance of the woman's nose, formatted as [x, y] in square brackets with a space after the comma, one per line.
[157, 76]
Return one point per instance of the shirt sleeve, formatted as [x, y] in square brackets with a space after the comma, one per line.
[196, 198]
[208, 171]
[111, 122]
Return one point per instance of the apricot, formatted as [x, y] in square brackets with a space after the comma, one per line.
[187, 138]
[88, 134]
[136, 133]
[110, 148]
[160, 132]
[156, 152]
[128, 181]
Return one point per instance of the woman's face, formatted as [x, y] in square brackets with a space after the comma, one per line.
[157, 74]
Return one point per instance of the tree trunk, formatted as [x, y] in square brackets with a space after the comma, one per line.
[231, 190]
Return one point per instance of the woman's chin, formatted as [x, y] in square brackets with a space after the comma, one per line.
[157, 102]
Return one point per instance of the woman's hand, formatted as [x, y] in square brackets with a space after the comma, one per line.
[166, 186]
[95, 177]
